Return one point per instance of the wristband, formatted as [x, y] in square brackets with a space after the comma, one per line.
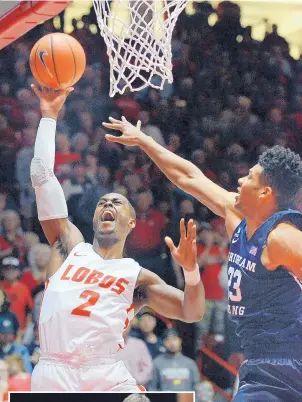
[192, 278]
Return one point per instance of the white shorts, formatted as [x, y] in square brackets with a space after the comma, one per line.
[55, 374]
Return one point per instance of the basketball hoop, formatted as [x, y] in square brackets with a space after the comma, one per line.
[138, 36]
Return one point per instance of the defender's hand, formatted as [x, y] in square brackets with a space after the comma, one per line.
[186, 253]
[51, 102]
[131, 135]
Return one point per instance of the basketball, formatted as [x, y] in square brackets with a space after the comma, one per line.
[57, 61]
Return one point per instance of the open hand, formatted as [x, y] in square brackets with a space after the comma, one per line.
[186, 253]
[130, 134]
[51, 101]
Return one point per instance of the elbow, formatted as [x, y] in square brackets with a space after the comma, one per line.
[183, 180]
[194, 317]
[186, 179]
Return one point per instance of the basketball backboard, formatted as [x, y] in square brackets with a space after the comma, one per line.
[19, 17]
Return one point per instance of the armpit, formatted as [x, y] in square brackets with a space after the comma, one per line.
[61, 247]
[140, 294]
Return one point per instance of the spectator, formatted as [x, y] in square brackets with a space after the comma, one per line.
[64, 155]
[18, 293]
[8, 345]
[145, 242]
[128, 106]
[83, 210]
[19, 378]
[5, 313]
[108, 153]
[6, 202]
[147, 324]
[137, 358]
[34, 346]
[150, 129]
[212, 254]
[79, 143]
[77, 183]
[38, 258]
[3, 380]
[229, 101]
[274, 39]
[173, 371]
[205, 392]
[11, 240]
[23, 160]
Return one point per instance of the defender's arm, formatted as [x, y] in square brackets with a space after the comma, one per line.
[187, 306]
[181, 172]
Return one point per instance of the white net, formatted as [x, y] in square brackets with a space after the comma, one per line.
[138, 36]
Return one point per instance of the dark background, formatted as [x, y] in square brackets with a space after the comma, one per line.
[24, 397]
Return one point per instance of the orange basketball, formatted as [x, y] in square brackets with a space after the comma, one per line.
[57, 61]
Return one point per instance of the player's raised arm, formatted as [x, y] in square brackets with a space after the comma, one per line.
[187, 306]
[181, 172]
[51, 203]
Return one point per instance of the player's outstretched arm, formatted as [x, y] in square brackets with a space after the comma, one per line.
[181, 172]
[51, 203]
[187, 306]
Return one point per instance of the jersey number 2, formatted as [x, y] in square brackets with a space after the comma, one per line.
[235, 276]
[92, 297]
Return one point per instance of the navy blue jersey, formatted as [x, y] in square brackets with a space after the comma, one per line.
[266, 305]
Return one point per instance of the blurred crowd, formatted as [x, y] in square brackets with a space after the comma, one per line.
[232, 98]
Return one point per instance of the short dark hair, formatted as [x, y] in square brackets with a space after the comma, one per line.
[137, 398]
[283, 173]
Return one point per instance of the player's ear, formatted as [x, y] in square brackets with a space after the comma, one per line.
[266, 192]
[132, 224]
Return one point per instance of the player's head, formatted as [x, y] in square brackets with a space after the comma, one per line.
[274, 182]
[113, 220]
[137, 398]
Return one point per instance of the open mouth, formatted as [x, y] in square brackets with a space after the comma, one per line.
[108, 216]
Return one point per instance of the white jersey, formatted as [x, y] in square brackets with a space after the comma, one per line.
[87, 304]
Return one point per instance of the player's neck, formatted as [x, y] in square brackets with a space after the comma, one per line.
[253, 223]
[109, 253]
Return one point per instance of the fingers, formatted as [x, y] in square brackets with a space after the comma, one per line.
[115, 121]
[170, 244]
[191, 230]
[69, 90]
[113, 126]
[47, 91]
[138, 124]
[35, 89]
[182, 229]
[113, 138]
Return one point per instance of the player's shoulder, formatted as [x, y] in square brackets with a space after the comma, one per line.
[81, 249]
[283, 242]
[283, 232]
